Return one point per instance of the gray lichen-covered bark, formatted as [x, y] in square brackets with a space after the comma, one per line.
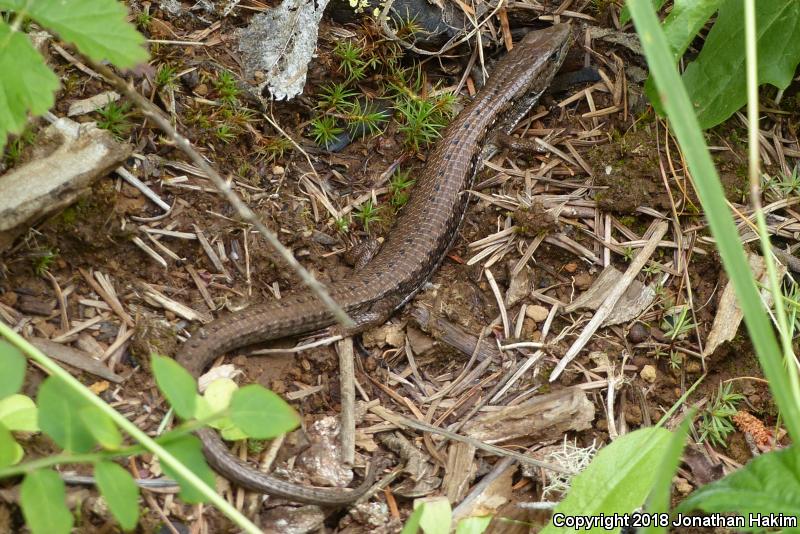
[279, 44]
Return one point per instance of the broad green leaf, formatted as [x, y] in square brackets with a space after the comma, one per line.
[230, 431]
[262, 414]
[10, 451]
[216, 399]
[618, 479]
[715, 81]
[189, 451]
[685, 21]
[659, 500]
[32, 87]
[625, 16]
[12, 369]
[120, 492]
[473, 525]
[767, 484]
[97, 27]
[18, 413]
[176, 384]
[43, 501]
[436, 516]
[102, 427]
[681, 27]
[412, 523]
[219, 393]
[59, 416]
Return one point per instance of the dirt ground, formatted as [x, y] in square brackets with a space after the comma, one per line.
[591, 197]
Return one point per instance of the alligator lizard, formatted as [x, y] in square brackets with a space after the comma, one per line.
[424, 231]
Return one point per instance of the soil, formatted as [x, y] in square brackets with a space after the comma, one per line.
[630, 170]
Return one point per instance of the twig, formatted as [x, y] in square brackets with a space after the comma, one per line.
[347, 390]
[126, 175]
[150, 111]
[500, 304]
[613, 296]
[110, 299]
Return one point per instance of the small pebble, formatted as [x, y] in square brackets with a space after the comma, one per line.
[682, 485]
[10, 298]
[693, 367]
[191, 79]
[201, 90]
[638, 333]
[583, 281]
[571, 267]
[277, 170]
[648, 373]
[537, 313]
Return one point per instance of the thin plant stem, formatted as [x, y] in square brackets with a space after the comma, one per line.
[132, 430]
[751, 53]
[684, 123]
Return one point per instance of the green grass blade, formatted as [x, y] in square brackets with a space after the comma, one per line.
[685, 125]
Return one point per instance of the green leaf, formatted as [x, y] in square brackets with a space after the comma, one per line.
[412, 523]
[436, 516]
[189, 451]
[262, 414]
[19, 413]
[473, 525]
[12, 369]
[97, 27]
[59, 409]
[120, 492]
[716, 80]
[230, 431]
[219, 393]
[176, 384]
[659, 500]
[32, 87]
[681, 27]
[685, 21]
[101, 427]
[215, 400]
[625, 16]
[618, 479]
[43, 502]
[768, 484]
[10, 451]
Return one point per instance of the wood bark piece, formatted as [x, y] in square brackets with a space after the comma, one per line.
[636, 298]
[459, 472]
[453, 335]
[613, 296]
[541, 418]
[68, 159]
[493, 496]
[729, 314]
[75, 358]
